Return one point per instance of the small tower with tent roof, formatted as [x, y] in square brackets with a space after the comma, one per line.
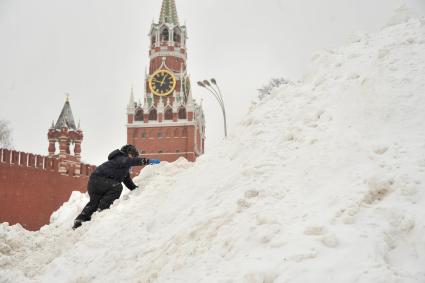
[69, 137]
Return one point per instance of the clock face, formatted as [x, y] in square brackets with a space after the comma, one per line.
[162, 82]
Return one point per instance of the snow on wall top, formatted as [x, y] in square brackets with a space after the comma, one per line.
[322, 182]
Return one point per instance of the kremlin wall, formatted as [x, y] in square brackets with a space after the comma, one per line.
[33, 186]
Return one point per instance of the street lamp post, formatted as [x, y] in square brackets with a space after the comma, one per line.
[214, 89]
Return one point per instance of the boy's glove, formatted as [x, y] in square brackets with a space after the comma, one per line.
[154, 161]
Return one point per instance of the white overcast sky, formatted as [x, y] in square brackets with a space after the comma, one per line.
[96, 49]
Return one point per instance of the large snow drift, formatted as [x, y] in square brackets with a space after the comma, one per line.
[322, 182]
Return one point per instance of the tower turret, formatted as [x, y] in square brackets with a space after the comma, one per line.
[66, 134]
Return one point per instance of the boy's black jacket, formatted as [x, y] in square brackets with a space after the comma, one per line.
[117, 168]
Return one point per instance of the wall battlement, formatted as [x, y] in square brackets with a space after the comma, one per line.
[46, 163]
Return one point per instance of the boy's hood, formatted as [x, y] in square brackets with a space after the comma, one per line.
[114, 154]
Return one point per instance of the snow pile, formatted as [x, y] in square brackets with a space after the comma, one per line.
[401, 15]
[65, 215]
[322, 182]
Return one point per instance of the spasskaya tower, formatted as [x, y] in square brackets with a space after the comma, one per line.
[168, 124]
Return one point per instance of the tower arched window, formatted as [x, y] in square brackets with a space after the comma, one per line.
[139, 115]
[153, 40]
[182, 113]
[177, 36]
[165, 35]
[168, 115]
[153, 115]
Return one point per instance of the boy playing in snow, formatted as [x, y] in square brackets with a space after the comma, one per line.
[104, 185]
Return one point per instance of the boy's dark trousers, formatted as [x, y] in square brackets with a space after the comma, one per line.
[102, 191]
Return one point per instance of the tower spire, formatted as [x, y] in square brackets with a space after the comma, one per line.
[66, 119]
[131, 101]
[169, 12]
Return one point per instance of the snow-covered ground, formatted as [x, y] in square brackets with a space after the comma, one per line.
[323, 181]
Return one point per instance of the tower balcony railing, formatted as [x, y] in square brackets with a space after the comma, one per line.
[166, 44]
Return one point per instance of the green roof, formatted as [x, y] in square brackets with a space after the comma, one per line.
[169, 12]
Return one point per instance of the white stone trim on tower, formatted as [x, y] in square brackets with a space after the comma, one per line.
[160, 107]
[130, 106]
[163, 53]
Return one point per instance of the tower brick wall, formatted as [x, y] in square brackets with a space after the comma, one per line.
[31, 187]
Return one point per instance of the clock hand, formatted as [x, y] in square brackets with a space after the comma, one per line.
[163, 80]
